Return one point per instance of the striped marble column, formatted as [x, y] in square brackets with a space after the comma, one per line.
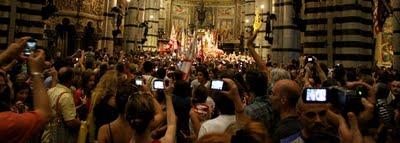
[286, 34]
[396, 33]
[249, 14]
[162, 17]
[339, 32]
[152, 13]
[260, 42]
[132, 31]
[19, 19]
[108, 26]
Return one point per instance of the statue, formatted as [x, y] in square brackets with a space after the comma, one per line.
[268, 27]
[119, 15]
[201, 13]
[89, 35]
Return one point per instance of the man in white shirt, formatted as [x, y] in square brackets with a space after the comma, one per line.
[223, 121]
[63, 106]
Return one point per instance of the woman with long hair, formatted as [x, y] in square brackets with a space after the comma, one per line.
[103, 109]
[141, 112]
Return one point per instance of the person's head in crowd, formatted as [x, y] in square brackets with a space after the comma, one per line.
[88, 81]
[252, 132]
[224, 105]
[382, 91]
[106, 89]
[140, 112]
[161, 73]
[279, 74]
[256, 82]
[339, 74]
[202, 74]
[182, 88]
[122, 97]
[285, 95]
[77, 77]
[200, 94]
[212, 74]
[66, 76]
[102, 69]
[132, 69]
[21, 92]
[148, 67]
[178, 75]
[120, 67]
[395, 86]
[313, 117]
[351, 74]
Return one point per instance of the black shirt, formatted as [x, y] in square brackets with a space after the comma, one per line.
[286, 127]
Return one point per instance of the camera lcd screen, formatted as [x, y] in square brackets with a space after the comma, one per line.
[158, 84]
[316, 95]
[139, 82]
[309, 59]
[217, 84]
[30, 47]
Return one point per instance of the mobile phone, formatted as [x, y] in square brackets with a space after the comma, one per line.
[315, 95]
[158, 84]
[30, 47]
[217, 84]
[139, 81]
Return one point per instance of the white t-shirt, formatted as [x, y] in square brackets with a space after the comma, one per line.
[217, 125]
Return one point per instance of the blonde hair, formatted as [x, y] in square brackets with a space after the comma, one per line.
[107, 84]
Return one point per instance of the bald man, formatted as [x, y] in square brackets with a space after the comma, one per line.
[285, 95]
[63, 108]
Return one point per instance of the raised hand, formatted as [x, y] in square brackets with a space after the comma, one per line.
[36, 61]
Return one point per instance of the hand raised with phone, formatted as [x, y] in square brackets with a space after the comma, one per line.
[36, 61]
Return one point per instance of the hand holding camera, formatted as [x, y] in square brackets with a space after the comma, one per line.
[348, 133]
[36, 62]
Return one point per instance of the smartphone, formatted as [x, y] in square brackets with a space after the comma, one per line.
[30, 47]
[139, 81]
[217, 84]
[315, 95]
[158, 84]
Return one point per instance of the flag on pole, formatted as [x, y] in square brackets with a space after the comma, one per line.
[257, 20]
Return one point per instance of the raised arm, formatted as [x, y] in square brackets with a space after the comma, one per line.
[260, 63]
[171, 118]
[233, 94]
[40, 97]
[13, 51]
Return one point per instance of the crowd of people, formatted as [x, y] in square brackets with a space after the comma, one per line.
[139, 98]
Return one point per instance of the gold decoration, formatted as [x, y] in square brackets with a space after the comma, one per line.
[257, 20]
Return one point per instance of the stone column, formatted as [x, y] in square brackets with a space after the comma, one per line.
[249, 14]
[152, 12]
[396, 33]
[260, 42]
[286, 34]
[162, 17]
[132, 32]
[342, 34]
[108, 26]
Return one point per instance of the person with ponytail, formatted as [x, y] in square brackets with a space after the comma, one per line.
[141, 115]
